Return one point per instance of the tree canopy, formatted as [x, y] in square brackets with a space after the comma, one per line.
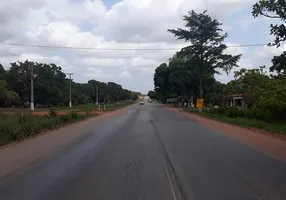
[206, 51]
[274, 9]
[191, 71]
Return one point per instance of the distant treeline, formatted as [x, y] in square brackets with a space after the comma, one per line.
[51, 87]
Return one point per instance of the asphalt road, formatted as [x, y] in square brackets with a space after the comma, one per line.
[150, 153]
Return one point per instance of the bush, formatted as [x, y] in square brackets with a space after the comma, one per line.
[206, 111]
[22, 119]
[232, 112]
[14, 127]
[219, 110]
[66, 118]
[74, 115]
[52, 112]
[242, 113]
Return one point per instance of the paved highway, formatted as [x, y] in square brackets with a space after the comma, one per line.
[149, 153]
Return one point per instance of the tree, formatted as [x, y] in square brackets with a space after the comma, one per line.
[216, 93]
[8, 98]
[2, 70]
[51, 86]
[279, 64]
[206, 49]
[274, 9]
[161, 80]
[180, 78]
[252, 83]
[152, 94]
[272, 102]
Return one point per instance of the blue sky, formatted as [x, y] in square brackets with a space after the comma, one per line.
[109, 3]
[255, 32]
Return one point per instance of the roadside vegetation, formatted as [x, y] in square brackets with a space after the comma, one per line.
[51, 87]
[242, 118]
[51, 98]
[20, 124]
[191, 73]
[15, 127]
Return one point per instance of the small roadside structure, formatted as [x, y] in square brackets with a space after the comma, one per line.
[234, 100]
[181, 101]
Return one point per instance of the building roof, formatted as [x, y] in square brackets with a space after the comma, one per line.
[173, 100]
[233, 95]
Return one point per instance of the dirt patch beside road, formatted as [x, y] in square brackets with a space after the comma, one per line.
[260, 140]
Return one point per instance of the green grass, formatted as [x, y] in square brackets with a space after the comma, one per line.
[20, 124]
[108, 107]
[16, 127]
[76, 108]
[244, 122]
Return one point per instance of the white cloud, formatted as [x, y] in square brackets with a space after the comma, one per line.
[131, 24]
[125, 74]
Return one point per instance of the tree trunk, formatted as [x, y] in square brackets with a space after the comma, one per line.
[201, 89]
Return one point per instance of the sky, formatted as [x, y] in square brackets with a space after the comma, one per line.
[121, 24]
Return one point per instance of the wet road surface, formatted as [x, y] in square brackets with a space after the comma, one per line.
[150, 153]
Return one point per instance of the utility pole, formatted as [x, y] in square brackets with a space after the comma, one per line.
[32, 87]
[70, 103]
[104, 103]
[96, 94]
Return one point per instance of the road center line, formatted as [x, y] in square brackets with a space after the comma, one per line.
[170, 182]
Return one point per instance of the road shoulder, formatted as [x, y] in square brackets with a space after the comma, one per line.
[15, 158]
[265, 143]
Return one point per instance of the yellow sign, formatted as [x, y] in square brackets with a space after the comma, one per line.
[200, 103]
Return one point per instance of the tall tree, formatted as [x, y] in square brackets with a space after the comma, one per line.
[2, 70]
[161, 80]
[206, 47]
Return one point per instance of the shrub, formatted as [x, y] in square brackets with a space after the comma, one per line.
[232, 112]
[22, 119]
[65, 118]
[14, 127]
[74, 115]
[242, 113]
[52, 112]
[219, 110]
[206, 111]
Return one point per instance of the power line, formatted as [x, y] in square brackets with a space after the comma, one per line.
[114, 49]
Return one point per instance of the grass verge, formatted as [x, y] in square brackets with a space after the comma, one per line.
[244, 122]
[108, 107]
[17, 127]
[76, 108]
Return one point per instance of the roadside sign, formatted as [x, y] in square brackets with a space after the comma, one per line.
[200, 103]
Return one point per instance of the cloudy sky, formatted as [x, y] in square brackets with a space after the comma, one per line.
[115, 24]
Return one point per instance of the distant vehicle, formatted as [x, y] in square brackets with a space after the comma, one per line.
[149, 101]
[141, 103]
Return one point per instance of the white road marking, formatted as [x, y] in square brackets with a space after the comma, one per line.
[170, 182]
